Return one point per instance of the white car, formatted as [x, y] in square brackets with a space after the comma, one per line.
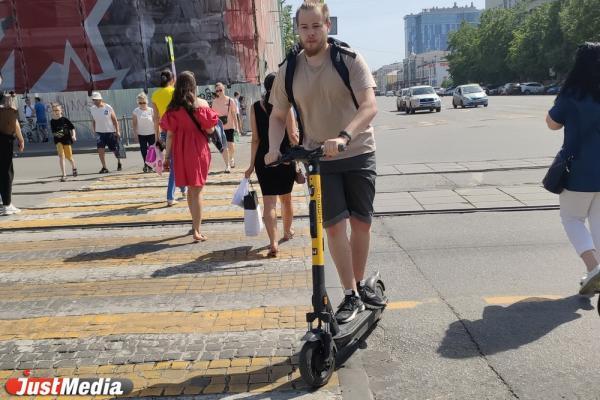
[389, 93]
[532, 88]
[422, 98]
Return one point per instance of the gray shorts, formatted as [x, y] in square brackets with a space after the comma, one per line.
[348, 188]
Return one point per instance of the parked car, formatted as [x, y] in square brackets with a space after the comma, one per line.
[511, 89]
[389, 93]
[401, 100]
[532, 88]
[493, 90]
[449, 91]
[471, 95]
[553, 89]
[439, 91]
[422, 98]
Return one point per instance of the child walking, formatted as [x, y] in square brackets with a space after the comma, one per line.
[64, 136]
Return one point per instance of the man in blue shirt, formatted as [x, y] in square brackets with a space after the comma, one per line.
[41, 119]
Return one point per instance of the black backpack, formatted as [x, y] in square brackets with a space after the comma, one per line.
[337, 49]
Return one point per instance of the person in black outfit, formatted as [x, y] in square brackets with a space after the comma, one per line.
[64, 135]
[9, 131]
[274, 181]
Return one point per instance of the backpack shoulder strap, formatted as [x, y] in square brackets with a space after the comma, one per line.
[337, 49]
[290, 70]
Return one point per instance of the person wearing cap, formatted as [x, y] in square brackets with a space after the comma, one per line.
[106, 126]
[142, 120]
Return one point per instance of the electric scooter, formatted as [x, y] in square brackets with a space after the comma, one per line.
[323, 342]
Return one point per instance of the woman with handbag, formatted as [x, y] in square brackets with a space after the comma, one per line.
[577, 109]
[188, 122]
[274, 181]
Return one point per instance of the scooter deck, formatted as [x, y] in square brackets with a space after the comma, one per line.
[355, 329]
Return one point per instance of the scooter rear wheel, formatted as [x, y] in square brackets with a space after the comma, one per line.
[314, 368]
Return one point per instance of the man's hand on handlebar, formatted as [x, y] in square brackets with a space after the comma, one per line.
[332, 147]
[272, 156]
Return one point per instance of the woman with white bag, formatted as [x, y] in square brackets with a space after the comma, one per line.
[274, 181]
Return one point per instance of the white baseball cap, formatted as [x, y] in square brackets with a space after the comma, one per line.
[96, 96]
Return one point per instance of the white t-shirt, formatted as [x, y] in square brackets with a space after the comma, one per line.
[28, 110]
[102, 117]
[145, 122]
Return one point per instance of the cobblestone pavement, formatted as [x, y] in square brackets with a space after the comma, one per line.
[213, 320]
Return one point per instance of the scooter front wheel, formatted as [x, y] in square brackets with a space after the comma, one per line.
[314, 368]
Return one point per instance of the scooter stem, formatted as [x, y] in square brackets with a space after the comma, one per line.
[320, 300]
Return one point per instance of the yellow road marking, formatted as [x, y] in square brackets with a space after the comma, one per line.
[403, 305]
[82, 326]
[116, 219]
[240, 375]
[157, 286]
[110, 259]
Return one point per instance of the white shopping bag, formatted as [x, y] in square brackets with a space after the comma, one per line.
[253, 222]
[238, 196]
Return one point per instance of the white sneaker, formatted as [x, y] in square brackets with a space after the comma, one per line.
[171, 202]
[591, 283]
[10, 210]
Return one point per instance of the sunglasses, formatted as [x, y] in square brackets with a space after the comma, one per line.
[142, 102]
[219, 90]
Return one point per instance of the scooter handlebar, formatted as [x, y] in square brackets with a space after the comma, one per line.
[299, 153]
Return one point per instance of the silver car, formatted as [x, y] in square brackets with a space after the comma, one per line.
[401, 100]
[471, 95]
[422, 98]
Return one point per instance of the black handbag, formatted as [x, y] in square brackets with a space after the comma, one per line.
[251, 199]
[559, 170]
[557, 174]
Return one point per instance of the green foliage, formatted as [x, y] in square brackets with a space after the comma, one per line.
[521, 44]
[287, 28]
[448, 82]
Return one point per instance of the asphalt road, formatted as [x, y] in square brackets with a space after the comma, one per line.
[491, 305]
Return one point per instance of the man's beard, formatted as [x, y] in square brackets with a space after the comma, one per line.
[311, 53]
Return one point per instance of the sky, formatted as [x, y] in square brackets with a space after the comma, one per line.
[376, 27]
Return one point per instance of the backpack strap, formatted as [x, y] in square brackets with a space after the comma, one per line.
[290, 70]
[337, 49]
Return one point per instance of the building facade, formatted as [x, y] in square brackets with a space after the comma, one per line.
[429, 30]
[384, 80]
[513, 3]
[82, 45]
[429, 68]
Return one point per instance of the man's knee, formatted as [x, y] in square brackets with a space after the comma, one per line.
[360, 224]
[337, 229]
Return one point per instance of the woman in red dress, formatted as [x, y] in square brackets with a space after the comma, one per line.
[188, 144]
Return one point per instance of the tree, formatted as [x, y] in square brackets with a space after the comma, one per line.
[580, 20]
[527, 50]
[496, 32]
[287, 26]
[463, 58]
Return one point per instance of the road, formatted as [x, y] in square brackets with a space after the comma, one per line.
[481, 278]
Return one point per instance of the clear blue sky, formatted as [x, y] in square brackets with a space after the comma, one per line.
[376, 27]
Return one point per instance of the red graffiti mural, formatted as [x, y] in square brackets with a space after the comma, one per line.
[69, 45]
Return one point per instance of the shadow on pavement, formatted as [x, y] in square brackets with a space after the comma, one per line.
[128, 251]
[506, 328]
[218, 260]
[215, 382]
